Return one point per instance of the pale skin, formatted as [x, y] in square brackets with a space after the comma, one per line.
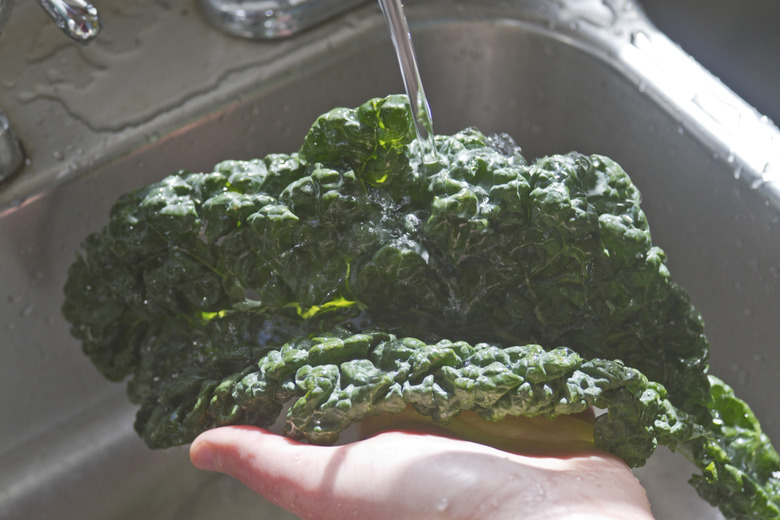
[417, 476]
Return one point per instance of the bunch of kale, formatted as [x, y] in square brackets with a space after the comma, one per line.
[351, 279]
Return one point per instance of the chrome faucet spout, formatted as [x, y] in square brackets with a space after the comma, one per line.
[77, 18]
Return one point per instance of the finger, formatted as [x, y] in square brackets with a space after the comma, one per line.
[284, 471]
[314, 482]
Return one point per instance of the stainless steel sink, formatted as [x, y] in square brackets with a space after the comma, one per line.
[160, 90]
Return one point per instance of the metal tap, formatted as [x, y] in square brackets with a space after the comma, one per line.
[77, 18]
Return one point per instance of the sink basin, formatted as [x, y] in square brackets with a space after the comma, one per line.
[586, 75]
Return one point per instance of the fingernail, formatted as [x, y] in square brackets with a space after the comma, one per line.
[202, 457]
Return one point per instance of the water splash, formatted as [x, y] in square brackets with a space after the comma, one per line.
[410, 73]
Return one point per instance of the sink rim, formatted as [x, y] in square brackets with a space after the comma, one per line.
[581, 38]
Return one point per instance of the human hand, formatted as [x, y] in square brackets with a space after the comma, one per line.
[411, 476]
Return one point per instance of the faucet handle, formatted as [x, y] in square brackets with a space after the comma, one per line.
[77, 18]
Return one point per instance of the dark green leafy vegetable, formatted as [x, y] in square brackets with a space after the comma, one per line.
[348, 280]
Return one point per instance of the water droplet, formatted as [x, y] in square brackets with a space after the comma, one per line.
[640, 40]
[442, 505]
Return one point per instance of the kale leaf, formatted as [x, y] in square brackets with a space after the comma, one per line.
[350, 279]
